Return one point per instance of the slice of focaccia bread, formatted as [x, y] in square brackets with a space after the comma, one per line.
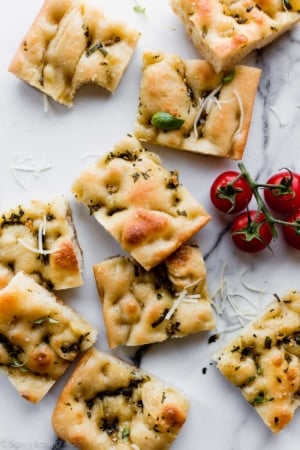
[226, 31]
[215, 109]
[39, 336]
[110, 404]
[264, 361]
[141, 203]
[72, 43]
[40, 239]
[141, 307]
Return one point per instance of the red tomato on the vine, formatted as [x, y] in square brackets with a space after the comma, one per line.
[230, 192]
[285, 197]
[291, 233]
[251, 232]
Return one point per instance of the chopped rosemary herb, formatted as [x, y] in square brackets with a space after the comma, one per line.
[125, 433]
[98, 46]
[268, 342]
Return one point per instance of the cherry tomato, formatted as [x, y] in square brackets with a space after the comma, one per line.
[292, 233]
[230, 192]
[285, 198]
[251, 232]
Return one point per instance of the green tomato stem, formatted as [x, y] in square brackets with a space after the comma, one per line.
[261, 204]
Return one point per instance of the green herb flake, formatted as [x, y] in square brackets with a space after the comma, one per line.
[228, 76]
[98, 46]
[259, 399]
[165, 121]
[235, 348]
[146, 175]
[251, 379]
[268, 342]
[213, 338]
[139, 9]
[125, 433]
[16, 364]
[259, 371]
[135, 177]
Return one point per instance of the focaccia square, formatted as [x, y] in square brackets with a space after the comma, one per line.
[215, 109]
[110, 404]
[264, 361]
[72, 43]
[139, 202]
[224, 32]
[40, 239]
[39, 336]
[141, 307]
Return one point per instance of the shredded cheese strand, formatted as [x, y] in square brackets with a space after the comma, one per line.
[205, 105]
[41, 232]
[40, 239]
[284, 7]
[89, 155]
[35, 250]
[225, 302]
[252, 288]
[27, 165]
[46, 103]
[281, 122]
[183, 295]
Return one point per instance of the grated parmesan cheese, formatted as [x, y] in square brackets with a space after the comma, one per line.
[46, 103]
[89, 155]
[41, 232]
[27, 164]
[205, 104]
[236, 308]
[276, 113]
[183, 296]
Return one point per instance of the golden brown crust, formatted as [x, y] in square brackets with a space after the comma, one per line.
[136, 303]
[140, 202]
[264, 361]
[216, 125]
[123, 407]
[100, 52]
[39, 336]
[6, 275]
[58, 264]
[225, 32]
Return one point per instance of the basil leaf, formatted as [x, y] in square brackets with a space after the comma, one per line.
[165, 121]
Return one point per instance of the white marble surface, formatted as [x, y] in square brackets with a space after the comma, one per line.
[219, 417]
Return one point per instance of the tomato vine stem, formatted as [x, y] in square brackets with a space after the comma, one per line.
[261, 204]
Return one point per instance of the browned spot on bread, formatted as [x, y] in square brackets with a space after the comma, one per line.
[66, 257]
[142, 227]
